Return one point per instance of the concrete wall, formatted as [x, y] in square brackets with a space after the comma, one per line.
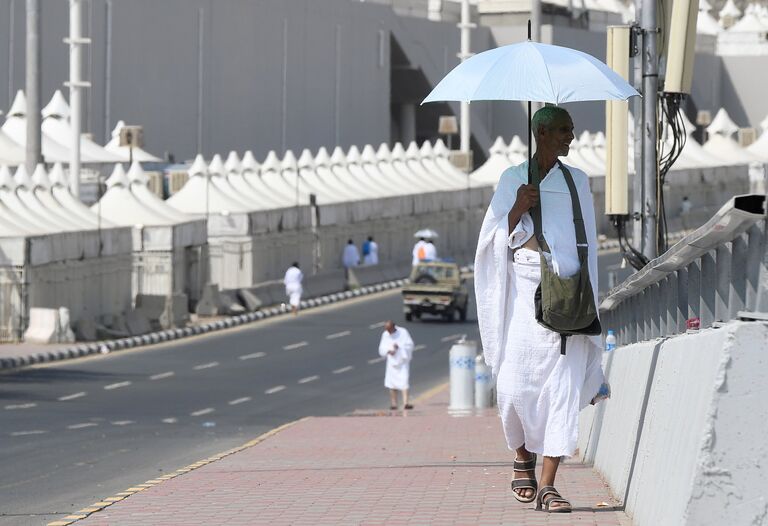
[276, 238]
[271, 74]
[680, 440]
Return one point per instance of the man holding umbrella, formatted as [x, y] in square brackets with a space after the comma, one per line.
[531, 231]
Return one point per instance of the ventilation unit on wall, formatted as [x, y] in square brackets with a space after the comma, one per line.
[176, 180]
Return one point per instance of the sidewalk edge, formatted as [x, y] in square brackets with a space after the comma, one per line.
[108, 501]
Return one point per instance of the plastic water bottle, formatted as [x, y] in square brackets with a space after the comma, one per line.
[610, 341]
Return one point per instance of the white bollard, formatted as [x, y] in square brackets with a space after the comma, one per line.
[483, 384]
[462, 369]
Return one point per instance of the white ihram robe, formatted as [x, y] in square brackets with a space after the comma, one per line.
[398, 364]
[540, 392]
[293, 287]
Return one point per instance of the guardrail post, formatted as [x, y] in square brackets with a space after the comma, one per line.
[682, 299]
[670, 304]
[654, 311]
[754, 260]
[623, 323]
[694, 289]
[662, 305]
[724, 276]
[737, 295]
[631, 307]
[707, 290]
[645, 315]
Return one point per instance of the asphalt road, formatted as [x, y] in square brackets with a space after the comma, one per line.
[72, 433]
[76, 432]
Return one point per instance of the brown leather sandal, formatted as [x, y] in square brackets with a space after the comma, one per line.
[549, 495]
[523, 484]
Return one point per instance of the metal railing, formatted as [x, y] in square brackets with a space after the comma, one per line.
[715, 274]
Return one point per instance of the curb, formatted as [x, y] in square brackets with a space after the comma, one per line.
[108, 501]
[105, 347]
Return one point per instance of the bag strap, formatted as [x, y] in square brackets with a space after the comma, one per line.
[578, 219]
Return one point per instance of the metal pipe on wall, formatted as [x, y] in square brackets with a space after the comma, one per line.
[466, 26]
[33, 85]
[76, 86]
[650, 155]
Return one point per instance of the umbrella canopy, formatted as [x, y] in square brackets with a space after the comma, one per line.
[530, 71]
[426, 233]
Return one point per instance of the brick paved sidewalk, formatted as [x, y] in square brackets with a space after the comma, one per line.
[425, 467]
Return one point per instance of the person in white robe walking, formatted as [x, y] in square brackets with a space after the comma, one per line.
[371, 252]
[396, 344]
[351, 256]
[293, 287]
[430, 251]
[540, 392]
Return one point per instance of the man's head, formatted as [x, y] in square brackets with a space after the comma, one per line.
[370, 238]
[296, 264]
[553, 129]
[350, 242]
[389, 326]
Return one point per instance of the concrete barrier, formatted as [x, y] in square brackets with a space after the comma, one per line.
[43, 326]
[210, 302]
[323, 283]
[681, 439]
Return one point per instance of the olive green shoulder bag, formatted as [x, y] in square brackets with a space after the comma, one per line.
[565, 305]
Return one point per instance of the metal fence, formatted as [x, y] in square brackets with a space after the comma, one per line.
[715, 274]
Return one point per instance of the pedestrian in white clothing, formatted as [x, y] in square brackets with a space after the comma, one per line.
[419, 251]
[396, 344]
[370, 252]
[293, 287]
[540, 391]
[350, 257]
[430, 251]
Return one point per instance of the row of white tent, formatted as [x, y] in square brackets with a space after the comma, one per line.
[244, 185]
[588, 151]
[56, 137]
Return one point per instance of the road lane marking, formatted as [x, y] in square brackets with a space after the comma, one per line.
[205, 366]
[25, 433]
[122, 422]
[343, 369]
[83, 425]
[451, 337]
[20, 406]
[377, 325]
[118, 385]
[252, 355]
[72, 396]
[338, 335]
[275, 389]
[308, 379]
[419, 347]
[240, 400]
[162, 375]
[295, 346]
[377, 360]
[170, 420]
[202, 412]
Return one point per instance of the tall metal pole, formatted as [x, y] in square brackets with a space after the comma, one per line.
[649, 27]
[76, 86]
[466, 26]
[535, 35]
[34, 85]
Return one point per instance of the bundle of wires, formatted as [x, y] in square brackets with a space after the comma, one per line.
[669, 151]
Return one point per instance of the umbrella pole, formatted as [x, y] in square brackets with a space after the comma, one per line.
[530, 145]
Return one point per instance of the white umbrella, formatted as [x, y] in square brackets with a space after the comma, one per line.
[530, 71]
[426, 233]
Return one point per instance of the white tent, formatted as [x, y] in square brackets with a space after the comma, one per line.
[124, 152]
[120, 206]
[40, 187]
[234, 174]
[11, 153]
[60, 191]
[15, 127]
[706, 23]
[138, 186]
[492, 168]
[721, 144]
[760, 146]
[218, 174]
[198, 196]
[57, 128]
[328, 168]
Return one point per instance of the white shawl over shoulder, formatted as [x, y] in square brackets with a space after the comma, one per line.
[494, 242]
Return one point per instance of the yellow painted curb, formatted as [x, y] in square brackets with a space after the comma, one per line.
[423, 397]
[104, 503]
